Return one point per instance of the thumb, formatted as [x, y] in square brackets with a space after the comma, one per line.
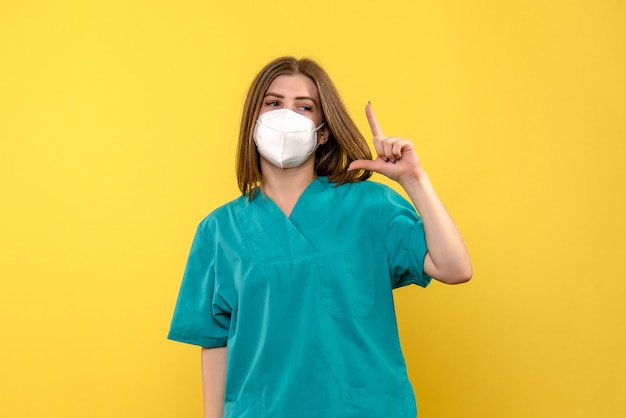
[362, 165]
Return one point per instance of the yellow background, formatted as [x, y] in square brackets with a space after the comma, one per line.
[118, 123]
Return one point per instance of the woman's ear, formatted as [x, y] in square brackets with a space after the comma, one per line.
[324, 135]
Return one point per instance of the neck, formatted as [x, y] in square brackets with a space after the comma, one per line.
[284, 186]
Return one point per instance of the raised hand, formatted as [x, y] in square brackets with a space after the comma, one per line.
[396, 156]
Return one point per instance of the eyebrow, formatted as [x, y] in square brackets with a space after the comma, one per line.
[280, 96]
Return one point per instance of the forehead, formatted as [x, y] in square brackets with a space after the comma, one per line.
[296, 85]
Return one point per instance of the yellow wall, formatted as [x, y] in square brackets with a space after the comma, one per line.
[118, 123]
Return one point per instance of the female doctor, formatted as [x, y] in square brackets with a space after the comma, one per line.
[288, 288]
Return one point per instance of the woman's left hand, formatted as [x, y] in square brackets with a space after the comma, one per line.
[447, 258]
[396, 158]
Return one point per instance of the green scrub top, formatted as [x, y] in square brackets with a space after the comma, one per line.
[304, 303]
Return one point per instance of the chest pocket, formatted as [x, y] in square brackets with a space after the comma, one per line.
[347, 285]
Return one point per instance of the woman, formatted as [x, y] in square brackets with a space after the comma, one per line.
[295, 276]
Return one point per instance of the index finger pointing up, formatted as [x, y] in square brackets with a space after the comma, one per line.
[371, 118]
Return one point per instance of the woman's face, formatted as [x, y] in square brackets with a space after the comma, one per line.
[294, 92]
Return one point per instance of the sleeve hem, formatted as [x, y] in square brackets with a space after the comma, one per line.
[423, 281]
[199, 341]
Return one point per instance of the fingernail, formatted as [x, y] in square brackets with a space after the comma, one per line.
[369, 103]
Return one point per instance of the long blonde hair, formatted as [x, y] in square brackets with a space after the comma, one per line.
[344, 145]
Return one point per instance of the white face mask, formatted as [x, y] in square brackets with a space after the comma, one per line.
[285, 138]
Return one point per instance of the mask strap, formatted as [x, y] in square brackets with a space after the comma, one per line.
[317, 142]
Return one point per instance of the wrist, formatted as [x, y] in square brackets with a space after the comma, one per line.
[419, 177]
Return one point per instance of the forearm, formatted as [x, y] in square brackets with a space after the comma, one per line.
[447, 259]
[213, 381]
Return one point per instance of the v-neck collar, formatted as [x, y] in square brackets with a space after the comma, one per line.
[316, 184]
[272, 233]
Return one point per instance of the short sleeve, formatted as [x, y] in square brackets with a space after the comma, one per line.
[405, 241]
[195, 320]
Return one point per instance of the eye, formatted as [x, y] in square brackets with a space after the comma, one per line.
[305, 106]
[272, 103]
